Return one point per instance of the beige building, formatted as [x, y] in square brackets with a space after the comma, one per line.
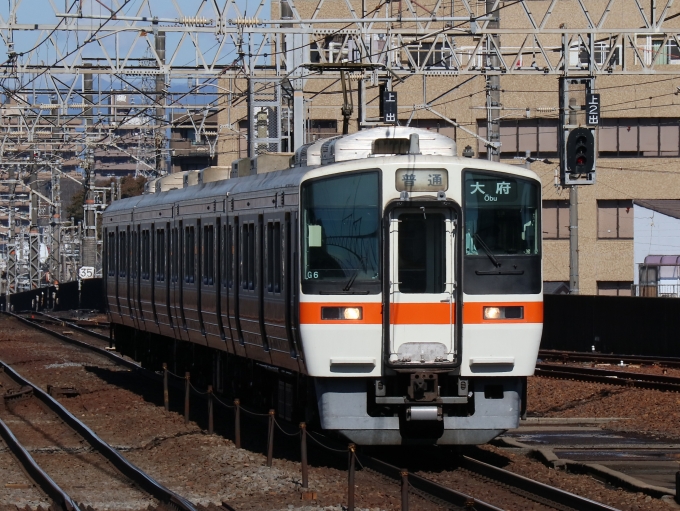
[638, 140]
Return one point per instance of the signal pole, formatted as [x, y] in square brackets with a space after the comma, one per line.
[578, 154]
[573, 217]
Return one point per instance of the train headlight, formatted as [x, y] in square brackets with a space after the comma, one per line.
[342, 313]
[492, 313]
[511, 312]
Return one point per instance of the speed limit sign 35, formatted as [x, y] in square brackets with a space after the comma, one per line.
[86, 272]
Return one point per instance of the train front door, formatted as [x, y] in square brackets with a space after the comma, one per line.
[422, 284]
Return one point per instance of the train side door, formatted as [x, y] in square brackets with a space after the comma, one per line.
[421, 285]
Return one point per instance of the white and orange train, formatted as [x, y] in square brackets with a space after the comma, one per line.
[380, 284]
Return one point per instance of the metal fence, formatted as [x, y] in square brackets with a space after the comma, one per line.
[656, 291]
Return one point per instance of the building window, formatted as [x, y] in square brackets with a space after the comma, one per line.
[555, 287]
[423, 54]
[579, 55]
[614, 288]
[615, 219]
[634, 138]
[537, 136]
[555, 219]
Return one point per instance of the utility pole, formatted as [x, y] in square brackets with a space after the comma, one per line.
[11, 237]
[159, 139]
[55, 225]
[34, 232]
[493, 88]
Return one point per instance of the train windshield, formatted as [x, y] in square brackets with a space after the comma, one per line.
[341, 234]
[501, 215]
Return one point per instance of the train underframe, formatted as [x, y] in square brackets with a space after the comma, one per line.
[407, 407]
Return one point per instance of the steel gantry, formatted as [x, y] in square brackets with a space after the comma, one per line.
[73, 75]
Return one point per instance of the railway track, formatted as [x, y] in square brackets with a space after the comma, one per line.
[610, 377]
[77, 459]
[502, 481]
[425, 487]
[574, 356]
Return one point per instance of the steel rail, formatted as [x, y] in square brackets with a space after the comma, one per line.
[621, 378]
[77, 327]
[129, 470]
[537, 488]
[128, 363]
[426, 487]
[597, 357]
[39, 476]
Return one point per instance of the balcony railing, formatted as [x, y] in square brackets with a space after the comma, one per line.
[660, 291]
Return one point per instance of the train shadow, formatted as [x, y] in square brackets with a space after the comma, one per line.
[254, 426]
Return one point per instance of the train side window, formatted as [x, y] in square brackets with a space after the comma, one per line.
[251, 256]
[274, 257]
[174, 250]
[277, 257]
[224, 261]
[189, 261]
[146, 255]
[209, 254]
[111, 255]
[229, 259]
[134, 256]
[160, 255]
[245, 259]
[270, 257]
[122, 247]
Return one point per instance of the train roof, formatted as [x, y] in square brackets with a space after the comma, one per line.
[435, 149]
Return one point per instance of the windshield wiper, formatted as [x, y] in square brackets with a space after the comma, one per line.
[487, 250]
[351, 281]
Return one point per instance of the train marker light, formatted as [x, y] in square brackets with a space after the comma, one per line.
[342, 313]
[510, 312]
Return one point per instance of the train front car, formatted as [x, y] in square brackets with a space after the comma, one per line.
[421, 304]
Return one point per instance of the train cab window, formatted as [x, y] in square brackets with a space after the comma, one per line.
[160, 255]
[501, 215]
[274, 257]
[111, 254]
[123, 258]
[501, 237]
[174, 251]
[146, 255]
[341, 234]
[421, 253]
[248, 256]
[189, 255]
[209, 254]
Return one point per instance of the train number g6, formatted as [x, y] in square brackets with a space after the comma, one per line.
[312, 274]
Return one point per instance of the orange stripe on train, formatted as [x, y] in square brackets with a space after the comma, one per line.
[420, 313]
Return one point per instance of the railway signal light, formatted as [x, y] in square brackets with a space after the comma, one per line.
[580, 157]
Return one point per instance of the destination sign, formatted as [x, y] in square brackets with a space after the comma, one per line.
[422, 180]
[491, 190]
